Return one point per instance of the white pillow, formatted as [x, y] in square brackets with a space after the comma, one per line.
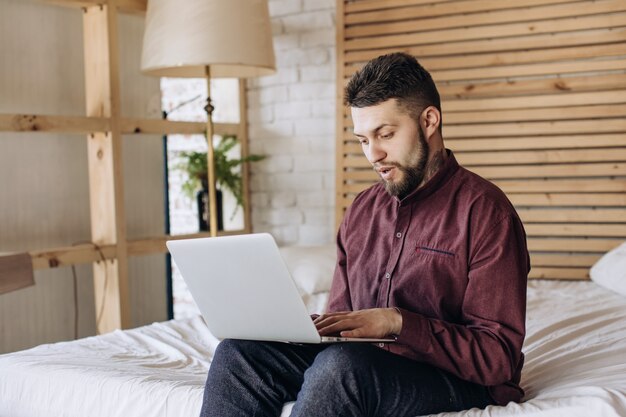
[610, 270]
[312, 267]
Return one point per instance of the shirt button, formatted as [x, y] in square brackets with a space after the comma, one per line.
[381, 345]
[387, 275]
[398, 235]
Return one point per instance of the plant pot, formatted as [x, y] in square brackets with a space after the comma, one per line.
[202, 198]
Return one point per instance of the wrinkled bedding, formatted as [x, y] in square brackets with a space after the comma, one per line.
[575, 364]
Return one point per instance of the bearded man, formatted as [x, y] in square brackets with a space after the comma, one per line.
[433, 255]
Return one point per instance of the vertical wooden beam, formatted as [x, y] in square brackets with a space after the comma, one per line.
[244, 146]
[108, 220]
[339, 151]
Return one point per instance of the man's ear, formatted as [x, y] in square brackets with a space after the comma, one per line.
[430, 120]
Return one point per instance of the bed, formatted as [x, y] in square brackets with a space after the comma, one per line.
[575, 358]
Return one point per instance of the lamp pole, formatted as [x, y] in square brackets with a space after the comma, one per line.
[210, 157]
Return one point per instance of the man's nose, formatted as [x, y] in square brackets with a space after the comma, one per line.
[375, 152]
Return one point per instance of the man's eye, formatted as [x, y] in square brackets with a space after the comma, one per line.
[363, 142]
[386, 136]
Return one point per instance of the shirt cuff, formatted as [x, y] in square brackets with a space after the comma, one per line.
[414, 332]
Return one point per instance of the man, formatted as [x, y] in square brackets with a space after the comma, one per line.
[433, 255]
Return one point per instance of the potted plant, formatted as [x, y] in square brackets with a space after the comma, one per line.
[227, 176]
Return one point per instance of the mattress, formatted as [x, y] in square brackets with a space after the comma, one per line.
[575, 364]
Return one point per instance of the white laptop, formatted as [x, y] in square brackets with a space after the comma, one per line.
[244, 290]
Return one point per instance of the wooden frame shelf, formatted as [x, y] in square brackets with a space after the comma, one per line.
[81, 124]
[89, 253]
[104, 127]
[52, 124]
[124, 6]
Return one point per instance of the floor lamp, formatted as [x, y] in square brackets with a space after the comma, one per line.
[212, 39]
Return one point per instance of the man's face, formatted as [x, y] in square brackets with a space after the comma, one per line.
[394, 144]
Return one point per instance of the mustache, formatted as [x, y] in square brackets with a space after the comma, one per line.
[379, 165]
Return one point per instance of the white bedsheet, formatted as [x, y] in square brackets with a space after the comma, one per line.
[575, 365]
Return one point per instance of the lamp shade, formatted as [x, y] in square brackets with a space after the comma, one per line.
[232, 37]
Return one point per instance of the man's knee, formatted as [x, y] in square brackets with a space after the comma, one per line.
[343, 362]
[230, 347]
[233, 352]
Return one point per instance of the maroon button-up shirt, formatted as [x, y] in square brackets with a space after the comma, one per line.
[452, 258]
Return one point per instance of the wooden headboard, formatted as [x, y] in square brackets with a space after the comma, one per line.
[533, 98]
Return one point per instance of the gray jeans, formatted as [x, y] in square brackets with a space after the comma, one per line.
[251, 379]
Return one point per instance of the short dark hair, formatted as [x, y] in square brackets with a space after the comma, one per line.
[397, 75]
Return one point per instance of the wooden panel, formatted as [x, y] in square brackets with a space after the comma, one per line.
[472, 89]
[559, 273]
[573, 245]
[572, 200]
[569, 200]
[554, 171]
[491, 31]
[490, 60]
[349, 146]
[399, 10]
[498, 46]
[586, 261]
[538, 114]
[563, 98]
[529, 70]
[541, 157]
[518, 143]
[533, 98]
[532, 56]
[594, 230]
[423, 22]
[601, 185]
[530, 87]
[523, 87]
[536, 142]
[476, 159]
[366, 5]
[535, 128]
[577, 215]
[516, 172]
[523, 115]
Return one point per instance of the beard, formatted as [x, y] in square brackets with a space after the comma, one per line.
[413, 174]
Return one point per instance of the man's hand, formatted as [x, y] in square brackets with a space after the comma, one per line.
[374, 323]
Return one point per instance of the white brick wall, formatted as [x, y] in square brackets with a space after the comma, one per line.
[291, 118]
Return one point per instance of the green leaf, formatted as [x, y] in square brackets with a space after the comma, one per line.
[228, 177]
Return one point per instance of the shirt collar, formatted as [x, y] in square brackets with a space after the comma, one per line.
[436, 182]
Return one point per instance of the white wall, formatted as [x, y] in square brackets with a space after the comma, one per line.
[292, 120]
[43, 177]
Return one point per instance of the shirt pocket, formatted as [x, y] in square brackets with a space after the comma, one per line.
[435, 260]
[436, 251]
[435, 279]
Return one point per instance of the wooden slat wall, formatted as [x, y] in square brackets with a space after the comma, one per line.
[533, 99]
